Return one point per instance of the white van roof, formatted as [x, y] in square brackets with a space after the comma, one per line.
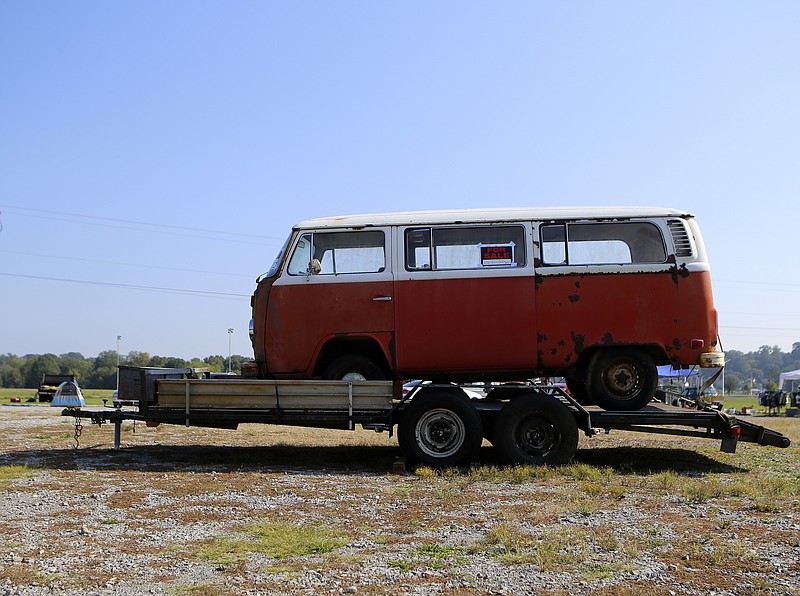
[451, 216]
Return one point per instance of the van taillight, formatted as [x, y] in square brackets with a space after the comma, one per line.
[698, 343]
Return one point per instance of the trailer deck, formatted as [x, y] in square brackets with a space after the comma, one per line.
[167, 396]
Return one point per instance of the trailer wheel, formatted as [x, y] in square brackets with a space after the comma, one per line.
[537, 430]
[622, 379]
[353, 367]
[440, 429]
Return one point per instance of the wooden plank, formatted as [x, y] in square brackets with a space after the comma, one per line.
[247, 393]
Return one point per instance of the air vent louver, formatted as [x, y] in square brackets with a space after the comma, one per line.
[680, 238]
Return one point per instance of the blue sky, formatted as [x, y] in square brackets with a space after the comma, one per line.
[172, 145]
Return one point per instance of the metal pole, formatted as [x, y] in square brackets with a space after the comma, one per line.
[119, 337]
[230, 335]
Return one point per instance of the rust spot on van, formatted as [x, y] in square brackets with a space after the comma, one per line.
[676, 344]
[677, 272]
[562, 343]
[573, 298]
[541, 338]
[578, 340]
[554, 351]
[608, 339]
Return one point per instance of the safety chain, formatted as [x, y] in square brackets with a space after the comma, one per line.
[78, 430]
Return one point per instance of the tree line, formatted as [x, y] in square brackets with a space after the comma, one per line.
[760, 369]
[744, 370]
[99, 372]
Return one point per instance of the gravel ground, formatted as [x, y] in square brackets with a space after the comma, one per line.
[633, 514]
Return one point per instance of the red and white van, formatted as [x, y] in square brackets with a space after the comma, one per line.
[598, 295]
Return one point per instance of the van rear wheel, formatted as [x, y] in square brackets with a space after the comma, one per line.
[353, 367]
[577, 389]
[622, 379]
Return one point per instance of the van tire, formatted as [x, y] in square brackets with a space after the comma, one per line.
[538, 430]
[578, 391]
[440, 429]
[353, 367]
[622, 379]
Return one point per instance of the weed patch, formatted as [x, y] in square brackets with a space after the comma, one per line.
[15, 472]
[276, 540]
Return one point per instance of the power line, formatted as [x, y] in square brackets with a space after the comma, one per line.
[139, 223]
[31, 254]
[169, 229]
[209, 294]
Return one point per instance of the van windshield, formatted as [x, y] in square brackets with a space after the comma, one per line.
[276, 263]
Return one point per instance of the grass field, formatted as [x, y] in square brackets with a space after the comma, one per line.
[93, 397]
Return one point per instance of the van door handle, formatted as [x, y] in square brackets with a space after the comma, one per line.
[382, 299]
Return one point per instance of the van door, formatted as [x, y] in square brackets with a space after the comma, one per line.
[336, 284]
[465, 300]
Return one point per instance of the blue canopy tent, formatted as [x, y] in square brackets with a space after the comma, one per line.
[668, 371]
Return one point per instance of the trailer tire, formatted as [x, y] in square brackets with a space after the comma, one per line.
[538, 430]
[622, 379]
[440, 428]
[353, 367]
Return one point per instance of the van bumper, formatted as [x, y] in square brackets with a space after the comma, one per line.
[712, 360]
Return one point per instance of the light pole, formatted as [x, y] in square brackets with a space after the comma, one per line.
[119, 338]
[230, 335]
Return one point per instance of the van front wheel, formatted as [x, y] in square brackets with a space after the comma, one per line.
[622, 379]
[353, 367]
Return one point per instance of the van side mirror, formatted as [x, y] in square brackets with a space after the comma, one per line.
[314, 267]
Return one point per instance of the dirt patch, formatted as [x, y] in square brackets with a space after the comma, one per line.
[174, 512]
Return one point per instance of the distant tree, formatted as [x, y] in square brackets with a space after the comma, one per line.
[174, 363]
[38, 366]
[236, 362]
[732, 382]
[10, 376]
[215, 363]
[138, 359]
[75, 364]
[104, 370]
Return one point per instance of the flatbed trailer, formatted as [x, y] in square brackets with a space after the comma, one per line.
[437, 424]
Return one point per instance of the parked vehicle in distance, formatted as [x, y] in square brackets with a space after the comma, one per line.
[598, 295]
[49, 385]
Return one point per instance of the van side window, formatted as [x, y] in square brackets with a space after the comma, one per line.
[339, 252]
[602, 244]
[474, 247]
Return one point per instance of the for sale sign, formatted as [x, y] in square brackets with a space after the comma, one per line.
[493, 255]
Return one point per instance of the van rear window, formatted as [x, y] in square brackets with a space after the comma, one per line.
[602, 244]
[472, 247]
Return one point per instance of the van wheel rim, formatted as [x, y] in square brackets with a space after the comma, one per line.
[440, 433]
[622, 379]
[353, 376]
